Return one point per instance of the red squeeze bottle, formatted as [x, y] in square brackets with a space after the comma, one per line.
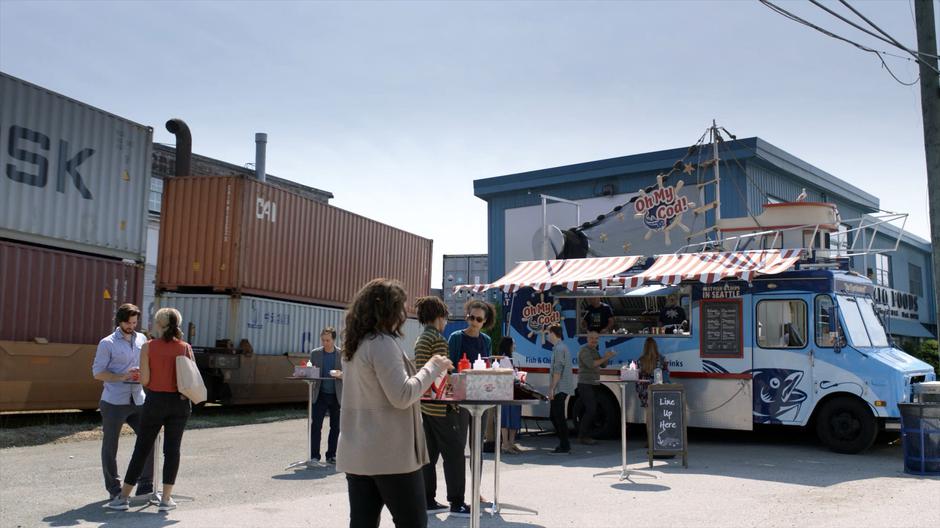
[463, 364]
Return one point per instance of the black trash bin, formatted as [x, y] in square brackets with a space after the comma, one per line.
[920, 432]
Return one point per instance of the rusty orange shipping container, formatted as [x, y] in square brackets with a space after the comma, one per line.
[237, 235]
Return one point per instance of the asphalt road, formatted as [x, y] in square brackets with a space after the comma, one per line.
[236, 477]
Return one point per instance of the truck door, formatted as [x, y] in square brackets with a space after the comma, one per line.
[783, 360]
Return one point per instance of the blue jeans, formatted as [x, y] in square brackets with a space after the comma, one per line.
[326, 403]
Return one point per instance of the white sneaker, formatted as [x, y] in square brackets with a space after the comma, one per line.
[119, 503]
[167, 505]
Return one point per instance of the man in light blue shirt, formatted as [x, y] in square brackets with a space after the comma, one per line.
[117, 364]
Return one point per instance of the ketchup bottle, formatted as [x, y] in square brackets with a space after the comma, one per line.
[463, 364]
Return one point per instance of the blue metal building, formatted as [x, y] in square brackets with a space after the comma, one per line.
[753, 173]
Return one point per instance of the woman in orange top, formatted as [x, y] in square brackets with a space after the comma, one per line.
[164, 407]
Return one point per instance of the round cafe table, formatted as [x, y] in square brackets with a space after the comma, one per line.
[309, 462]
[476, 409]
[625, 473]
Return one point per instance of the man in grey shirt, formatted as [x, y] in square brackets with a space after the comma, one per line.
[589, 377]
[561, 384]
[117, 364]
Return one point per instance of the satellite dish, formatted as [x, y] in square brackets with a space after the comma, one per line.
[556, 243]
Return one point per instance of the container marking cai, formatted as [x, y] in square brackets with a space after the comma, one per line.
[236, 235]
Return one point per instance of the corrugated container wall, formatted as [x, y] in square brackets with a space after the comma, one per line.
[74, 177]
[242, 236]
[60, 296]
[463, 269]
[272, 327]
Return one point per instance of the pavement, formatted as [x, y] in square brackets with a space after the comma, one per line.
[235, 477]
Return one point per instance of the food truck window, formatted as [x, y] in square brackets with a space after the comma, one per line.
[781, 324]
[657, 314]
[825, 313]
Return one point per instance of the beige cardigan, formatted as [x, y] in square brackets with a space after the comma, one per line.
[380, 427]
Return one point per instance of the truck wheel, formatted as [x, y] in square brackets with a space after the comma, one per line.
[846, 425]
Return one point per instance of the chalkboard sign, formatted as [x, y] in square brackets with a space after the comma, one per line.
[666, 422]
[722, 335]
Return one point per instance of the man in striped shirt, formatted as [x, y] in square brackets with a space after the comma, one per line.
[446, 433]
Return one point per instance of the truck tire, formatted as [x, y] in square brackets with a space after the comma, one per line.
[846, 425]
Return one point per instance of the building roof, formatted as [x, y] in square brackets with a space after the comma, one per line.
[165, 155]
[740, 149]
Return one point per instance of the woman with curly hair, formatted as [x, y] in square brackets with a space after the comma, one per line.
[382, 445]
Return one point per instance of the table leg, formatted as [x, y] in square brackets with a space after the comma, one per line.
[308, 462]
[309, 420]
[497, 451]
[623, 430]
[625, 473]
[476, 412]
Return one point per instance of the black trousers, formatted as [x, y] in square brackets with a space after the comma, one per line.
[171, 412]
[446, 437]
[402, 494]
[326, 403]
[588, 399]
[557, 415]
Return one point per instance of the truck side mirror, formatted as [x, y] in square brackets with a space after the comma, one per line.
[834, 329]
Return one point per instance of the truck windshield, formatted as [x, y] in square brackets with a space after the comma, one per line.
[862, 325]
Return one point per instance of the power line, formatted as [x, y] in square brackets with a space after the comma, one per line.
[781, 11]
[892, 39]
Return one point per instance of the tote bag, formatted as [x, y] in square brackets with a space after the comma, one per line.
[189, 380]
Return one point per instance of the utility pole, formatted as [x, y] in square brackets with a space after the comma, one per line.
[930, 110]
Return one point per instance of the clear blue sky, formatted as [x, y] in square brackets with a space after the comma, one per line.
[397, 107]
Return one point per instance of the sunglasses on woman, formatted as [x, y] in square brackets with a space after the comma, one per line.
[474, 318]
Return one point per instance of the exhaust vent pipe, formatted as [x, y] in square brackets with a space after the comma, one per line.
[184, 146]
[261, 143]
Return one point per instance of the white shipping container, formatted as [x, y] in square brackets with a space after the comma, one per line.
[463, 269]
[272, 327]
[74, 177]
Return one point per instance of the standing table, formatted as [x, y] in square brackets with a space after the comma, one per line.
[476, 409]
[309, 462]
[624, 472]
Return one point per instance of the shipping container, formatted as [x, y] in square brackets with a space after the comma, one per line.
[36, 377]
[62, 297]
[241, 236]
[462, 269]
[272, 327]
[75, 177]
[278, 335]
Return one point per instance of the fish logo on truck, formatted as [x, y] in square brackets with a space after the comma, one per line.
[776, 395]
[30, 146]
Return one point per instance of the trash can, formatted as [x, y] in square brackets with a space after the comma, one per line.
[920, 434]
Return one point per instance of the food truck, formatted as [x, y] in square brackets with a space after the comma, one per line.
[763, 327]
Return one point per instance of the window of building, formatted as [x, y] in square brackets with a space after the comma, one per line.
[826, 320]
[156, 194]
[916, 277]
[839, 241]
[883, 270]
[781, 324]
[655, 314]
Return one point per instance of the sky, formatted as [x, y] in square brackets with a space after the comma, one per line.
[396, 107]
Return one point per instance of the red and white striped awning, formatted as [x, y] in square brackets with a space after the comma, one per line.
[711, 267]
[544, 274]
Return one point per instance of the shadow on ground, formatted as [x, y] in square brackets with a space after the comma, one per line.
[136, 517]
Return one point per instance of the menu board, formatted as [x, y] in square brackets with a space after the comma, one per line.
[722, 335]
[666, 419]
